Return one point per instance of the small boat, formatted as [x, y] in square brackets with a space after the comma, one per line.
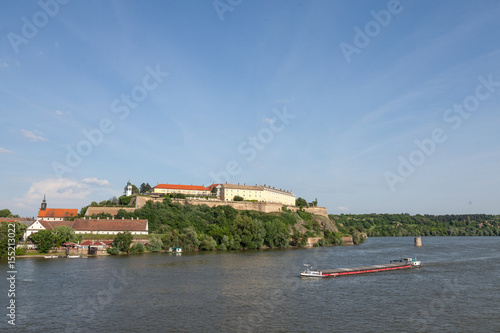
[176, 250]
[73, 257]
[50, 257]
[402, 263]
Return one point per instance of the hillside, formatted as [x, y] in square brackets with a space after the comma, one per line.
[226, 227]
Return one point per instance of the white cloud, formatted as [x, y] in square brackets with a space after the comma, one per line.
[342, 208]
[60, 193]
[95, 181]
[61, 113]
[32, 136]
[269, 120]
[5, 151]
[5, 65]
[58, 188]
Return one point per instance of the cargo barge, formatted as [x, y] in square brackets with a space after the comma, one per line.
[402, 263]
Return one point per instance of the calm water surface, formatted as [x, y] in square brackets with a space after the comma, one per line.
[457, 290]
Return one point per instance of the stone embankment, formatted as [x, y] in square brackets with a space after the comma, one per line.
[265, 207]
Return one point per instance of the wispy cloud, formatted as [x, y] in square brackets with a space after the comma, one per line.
[268, 120]
[342, 208]
[95, 181]
[5, 151]
[32, 136]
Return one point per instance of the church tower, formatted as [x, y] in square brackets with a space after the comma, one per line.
[128, 189]
[44, 204]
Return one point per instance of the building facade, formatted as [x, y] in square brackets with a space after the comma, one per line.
[256, 193]
[188, 190]
[93, 226]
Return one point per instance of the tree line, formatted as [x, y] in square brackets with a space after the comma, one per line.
[383, 225]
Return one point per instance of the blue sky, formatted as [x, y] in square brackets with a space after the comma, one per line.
[369, 106]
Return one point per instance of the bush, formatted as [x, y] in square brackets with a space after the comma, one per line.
[155, 244]
[207, 243]
[137, 248]
[114, 251]
[21, 250]
[124, 200]
[237, 198]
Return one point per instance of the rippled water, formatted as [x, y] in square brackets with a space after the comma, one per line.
[457, 290]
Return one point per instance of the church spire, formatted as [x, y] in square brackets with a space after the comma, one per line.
[44, 204]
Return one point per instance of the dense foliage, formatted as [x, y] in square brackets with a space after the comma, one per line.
[44, 240]
[224, 228]
[123, 240]
[4, 235]
[380, 225]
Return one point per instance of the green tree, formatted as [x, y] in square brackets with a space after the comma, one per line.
[207, 243]
[189, 239]
[5, 213]
[123, 240]
[155, 244]
[250, 232]
[5, 229]
[237, 198]
[300, 202]
[137, 248]
[135, 190]
[144, 188]
[44, 240]
[64, 234]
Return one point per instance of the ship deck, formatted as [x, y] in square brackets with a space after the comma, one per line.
[365, 269]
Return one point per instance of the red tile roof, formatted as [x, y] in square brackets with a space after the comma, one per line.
[96, 243]
[182, 187]
[57, 212]
[50, 225]
[98, 225]
[23, 220]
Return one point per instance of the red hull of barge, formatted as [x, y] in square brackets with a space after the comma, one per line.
[363, 270]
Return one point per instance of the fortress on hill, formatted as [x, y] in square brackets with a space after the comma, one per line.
[260, 198]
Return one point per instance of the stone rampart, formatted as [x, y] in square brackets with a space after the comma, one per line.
[265, 207]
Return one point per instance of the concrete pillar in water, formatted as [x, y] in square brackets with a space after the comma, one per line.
[418, 241]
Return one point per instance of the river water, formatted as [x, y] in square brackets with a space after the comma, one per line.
[456, 290]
